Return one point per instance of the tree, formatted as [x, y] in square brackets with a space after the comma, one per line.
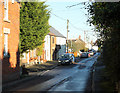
[39, 50]
[34, 25]
[105, 17]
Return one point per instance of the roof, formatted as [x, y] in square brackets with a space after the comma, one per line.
[51, 34]
[76, 40]
[56, 33]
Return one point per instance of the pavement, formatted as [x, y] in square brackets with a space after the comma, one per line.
[33, 71]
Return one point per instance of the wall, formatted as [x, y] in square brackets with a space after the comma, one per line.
[47, 47]
[10, 65]
[52, 46]
[0, 47]
[29, 57]
[62, 42]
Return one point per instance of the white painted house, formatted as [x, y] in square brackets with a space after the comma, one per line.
[60, 45]
[47, 47]
[60, 42]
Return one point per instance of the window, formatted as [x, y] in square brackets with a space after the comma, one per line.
[5, 44]
[24, 55]
[47, 53]
[53, 39]
[6, 10]
[47, 39]
[12, 1]
[34, 52]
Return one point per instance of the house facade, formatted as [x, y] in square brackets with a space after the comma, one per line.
[9, 40]
[49, 47]
[53, 47]
[75, 45]
[29, 57]
[60, 45]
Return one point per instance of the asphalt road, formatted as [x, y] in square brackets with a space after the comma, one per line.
[72, 77]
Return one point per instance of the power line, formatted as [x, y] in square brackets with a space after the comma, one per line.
[78, 4]
[74, 5]
[59, 17]
[65, 20]
[79, 29]
[76, 27]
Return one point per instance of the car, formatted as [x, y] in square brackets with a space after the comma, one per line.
[66, 58]
[91, 53]
[85, 54]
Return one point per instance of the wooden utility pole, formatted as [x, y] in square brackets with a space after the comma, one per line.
[84, 40]
[67, 34]
[71, 45]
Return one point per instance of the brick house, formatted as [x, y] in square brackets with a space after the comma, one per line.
[9, 39]
[48, 46]
[52, 45]
[55, 45]
[75, 45]
[47, 55]
[60, 43]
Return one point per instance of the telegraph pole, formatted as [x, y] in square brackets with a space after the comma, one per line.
[71, 45]
[84, 40]
[67, 34]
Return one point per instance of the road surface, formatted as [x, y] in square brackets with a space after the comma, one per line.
[72, 77]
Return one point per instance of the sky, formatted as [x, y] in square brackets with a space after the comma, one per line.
[77, 16]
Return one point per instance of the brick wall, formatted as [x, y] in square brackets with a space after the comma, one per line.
[52, 46]
[10, 65]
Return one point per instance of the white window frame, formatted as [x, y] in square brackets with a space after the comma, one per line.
[30, 53]
[5, 44]
[12, 1]
[6, 10]
[24, 56]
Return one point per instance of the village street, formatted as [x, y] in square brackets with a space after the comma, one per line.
[74, 77]
[60, 45]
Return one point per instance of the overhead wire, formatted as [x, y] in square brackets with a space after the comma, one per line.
[75, 5]
[69, 22]
[58, 16]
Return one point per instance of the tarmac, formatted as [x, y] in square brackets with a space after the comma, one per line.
[39, 69]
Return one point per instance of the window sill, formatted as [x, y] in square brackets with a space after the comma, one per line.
[5, 20]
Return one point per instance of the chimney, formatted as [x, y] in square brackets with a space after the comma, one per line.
[79, 37]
